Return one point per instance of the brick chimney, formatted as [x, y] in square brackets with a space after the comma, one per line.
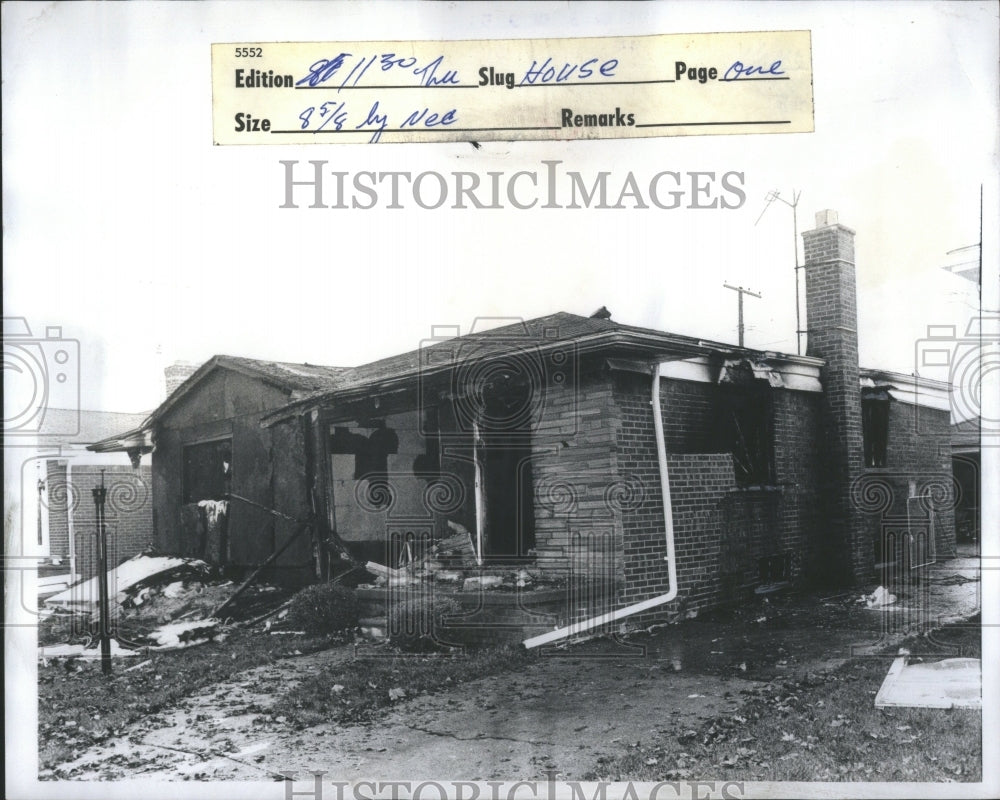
[177, 373]
[845, 550]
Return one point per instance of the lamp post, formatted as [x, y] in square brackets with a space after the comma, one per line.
[100, 494]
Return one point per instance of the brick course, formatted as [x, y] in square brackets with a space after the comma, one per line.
[128, 512]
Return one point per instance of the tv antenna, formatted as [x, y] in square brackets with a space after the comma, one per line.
[773, 195]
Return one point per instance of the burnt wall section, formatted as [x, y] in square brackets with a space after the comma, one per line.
[391, 485]
[227, 407]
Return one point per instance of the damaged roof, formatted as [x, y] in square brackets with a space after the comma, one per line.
[310, 384]
[296, 379]
[550, 333]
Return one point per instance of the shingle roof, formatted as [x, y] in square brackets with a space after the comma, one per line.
[551, 331]
[296, 377]
[310, 382]
[68, 426]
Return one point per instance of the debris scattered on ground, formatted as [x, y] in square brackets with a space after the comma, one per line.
[185, 634]
[88, 651]
[158, 602]
[451, 562]
[458, 549]
[482, 582]
[133, 574]
[879, 598]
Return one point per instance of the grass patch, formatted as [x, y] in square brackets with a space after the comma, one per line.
[78, 706]
[358, 690]
[822, 728]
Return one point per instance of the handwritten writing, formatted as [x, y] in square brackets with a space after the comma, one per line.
[740, 70]
[334, 115]
[430, 74]
[549, 72]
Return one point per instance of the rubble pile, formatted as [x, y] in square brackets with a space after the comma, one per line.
[159, 602]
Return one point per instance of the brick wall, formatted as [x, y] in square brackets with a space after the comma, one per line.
[831, 308]
[579, 494]
[58, 497]
[915, 490]
[721, 531]
[128, 512]
[798, 473]
[700, 486]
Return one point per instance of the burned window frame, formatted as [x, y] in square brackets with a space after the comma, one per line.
[748, 407]
[217, 449]
[875, 427]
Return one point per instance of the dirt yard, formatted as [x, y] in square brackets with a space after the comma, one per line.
[651, 706]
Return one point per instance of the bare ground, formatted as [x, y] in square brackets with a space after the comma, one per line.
[572, 712]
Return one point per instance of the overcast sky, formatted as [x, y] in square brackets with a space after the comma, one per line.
[124, 225]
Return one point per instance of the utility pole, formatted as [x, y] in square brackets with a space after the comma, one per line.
[741, 291]
[100, 494]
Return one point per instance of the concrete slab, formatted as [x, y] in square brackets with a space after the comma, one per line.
[950, 683]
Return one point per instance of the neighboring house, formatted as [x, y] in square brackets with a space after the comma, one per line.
[966, 464]
[49, 481]
[538, 439]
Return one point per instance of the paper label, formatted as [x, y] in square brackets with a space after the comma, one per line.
[518, 89]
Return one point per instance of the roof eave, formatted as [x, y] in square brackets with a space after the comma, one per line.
[652, 345]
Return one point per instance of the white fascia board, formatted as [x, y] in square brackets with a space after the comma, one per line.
[795, 375]
[910, 389]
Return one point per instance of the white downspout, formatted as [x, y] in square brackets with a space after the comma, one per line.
[71, 532]
[668, 522]
[478, 481]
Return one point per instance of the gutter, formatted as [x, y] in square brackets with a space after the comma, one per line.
[478, 481]
[668, 521]
[70, 528]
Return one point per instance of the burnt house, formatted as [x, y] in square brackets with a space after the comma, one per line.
[217, 473]
[538, 440]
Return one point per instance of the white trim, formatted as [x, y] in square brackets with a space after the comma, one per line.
[910, 389]
[795, 375]
[692, 369]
